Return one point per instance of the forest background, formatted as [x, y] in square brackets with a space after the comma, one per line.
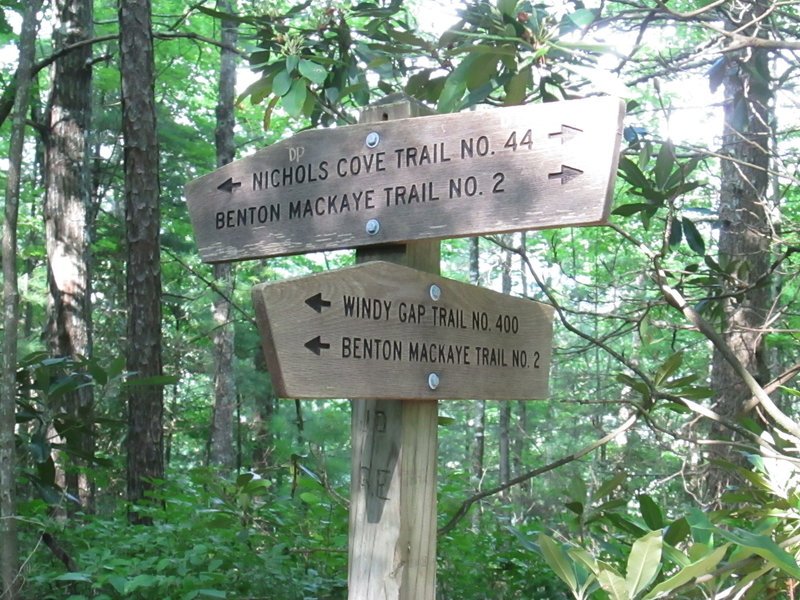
[664, 463]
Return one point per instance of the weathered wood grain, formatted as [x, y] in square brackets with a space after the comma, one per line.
[433, 177]
[377, 330]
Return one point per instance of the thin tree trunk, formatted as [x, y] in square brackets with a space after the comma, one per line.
[221, 452]
[261, 431]
[744, 225]
[519, 438]
[142, 221]
[66, 212]
[505, 407]
[9, 549]
[479, 416]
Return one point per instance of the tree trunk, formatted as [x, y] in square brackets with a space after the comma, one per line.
[505, 407]
[221, 452]
[744, 224]
[65, 213]
[479, 416]
[9, 549]
[142, 221]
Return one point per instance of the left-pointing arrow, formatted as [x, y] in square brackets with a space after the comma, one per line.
[229, 185]
[317, 345]
[565, 174]
[317, 303]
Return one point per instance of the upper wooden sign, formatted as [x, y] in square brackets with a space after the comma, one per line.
[379, 330]
[507, 169]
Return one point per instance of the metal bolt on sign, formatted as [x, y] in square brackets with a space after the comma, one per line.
[433, 381]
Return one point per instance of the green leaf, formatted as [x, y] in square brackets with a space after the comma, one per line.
[576, 507]
[97, 372]
[507, 7]
[557, 560]
[677, 532]
[626, 210]
[790, 391]
[664, 163]
[651, 512]
[523, 539]
[639, 386]
[693, 237]
[116, 367]
[763, 546]
[688, 573]
[675, 233]
[295, 98]
[668, 367]
[644, 562]
[310, 498]
[681, 381]
[453, 91]
[282, 83]
[408, 38]
[579, 555]
[632, 173]
[118, 583]
[612, 582]
[212, 593]
[74, 576]
[483, 68]
[609, 486]
[258, 90]
[678, 177]
[582, 17]
[313, 71]
[140, 581]
[517, 87]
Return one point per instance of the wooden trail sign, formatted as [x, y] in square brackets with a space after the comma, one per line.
[380, 330]
[510, 169]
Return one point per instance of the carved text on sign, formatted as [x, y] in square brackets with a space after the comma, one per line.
[509, 169]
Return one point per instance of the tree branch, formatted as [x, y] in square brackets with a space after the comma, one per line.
[675, 299]
[465, 506]
[7, 99]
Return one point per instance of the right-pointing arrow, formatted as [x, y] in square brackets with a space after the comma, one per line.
[317, 345]
[565, 174]
[566, 133]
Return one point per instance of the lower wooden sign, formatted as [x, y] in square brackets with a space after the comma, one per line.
[380, 330]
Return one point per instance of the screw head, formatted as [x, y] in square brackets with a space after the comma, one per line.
[435, 292]
[373, 138]
[373, 226]
[433, 381]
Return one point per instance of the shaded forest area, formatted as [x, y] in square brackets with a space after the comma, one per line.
[143, 452]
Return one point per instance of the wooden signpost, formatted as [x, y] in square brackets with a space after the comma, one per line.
[439, 176]
[380, 330]
[397, 338]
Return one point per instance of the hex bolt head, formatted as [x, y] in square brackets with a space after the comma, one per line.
[373, 226]
[433, 381]
[435, 292]
[373, 138]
